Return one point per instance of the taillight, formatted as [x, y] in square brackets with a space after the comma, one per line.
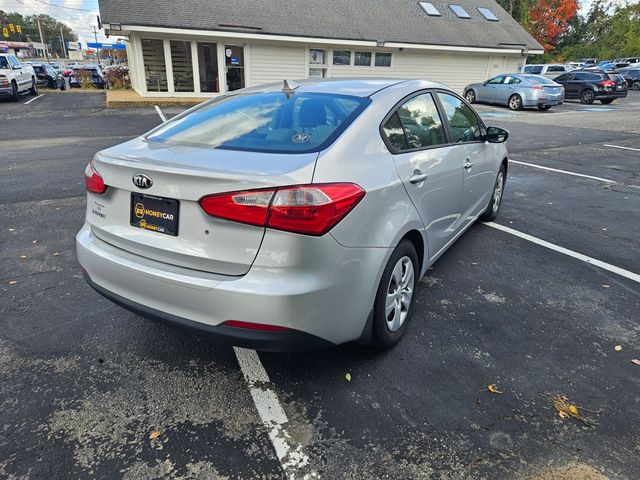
[255, 326]
[537, 87]
[607, 83]
[93, 181]
[306, 209]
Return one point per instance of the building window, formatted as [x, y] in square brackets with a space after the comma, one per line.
[383, 59]
[208, 67]
[362, 59]
[155, 69]
[488, 14]
[182, 65]
[317, 63]
[342, 57]
[459, 11]
[430, 9]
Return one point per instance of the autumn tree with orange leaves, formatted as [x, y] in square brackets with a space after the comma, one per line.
[549, 18]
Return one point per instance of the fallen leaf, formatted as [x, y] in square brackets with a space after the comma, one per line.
[566, 409]
[604, 229]
[635, 361]
[550, 203]
[23, 257]
[34, 242]
[12, 229]
[617, 348]
[348, 376]
[492, 388]
[57, 254]
[12, 282]
[563, 415]
[155, 434]
[573, 410]
[606, 286]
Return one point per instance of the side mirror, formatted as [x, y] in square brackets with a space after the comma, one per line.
[497, 135]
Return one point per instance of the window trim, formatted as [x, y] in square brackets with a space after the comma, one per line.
[443, 119]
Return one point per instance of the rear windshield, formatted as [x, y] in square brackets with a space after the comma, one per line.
[616, 77]
[39, 70]
[533, 69]
[541, 81]
[265, 122]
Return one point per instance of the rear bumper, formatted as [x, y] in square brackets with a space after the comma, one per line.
[321, 291]
[604, 94]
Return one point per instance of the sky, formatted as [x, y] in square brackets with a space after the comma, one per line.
[80, 15]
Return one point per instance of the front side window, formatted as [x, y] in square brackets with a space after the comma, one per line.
[420, 122]
[464, 124]
[4, 63]
[342, 57]
[264, 122]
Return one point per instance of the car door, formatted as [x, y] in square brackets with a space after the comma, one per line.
[22, 75]
[489, 90]
[431, 171]
[478, 157]
[569, 83]
[505, 89]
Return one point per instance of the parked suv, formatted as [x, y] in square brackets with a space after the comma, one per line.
[16, 77]
[632, 76]
[48, 77]
[590, 85]
[547, 70]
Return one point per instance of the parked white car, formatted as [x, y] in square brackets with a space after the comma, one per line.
[16, 77]
[549, 70]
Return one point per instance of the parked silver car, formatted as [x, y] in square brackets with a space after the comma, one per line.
[291, 218]
[517, 91]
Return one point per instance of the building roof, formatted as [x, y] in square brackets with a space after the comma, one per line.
[391, 21]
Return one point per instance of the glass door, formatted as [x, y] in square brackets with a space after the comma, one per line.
[234, 63]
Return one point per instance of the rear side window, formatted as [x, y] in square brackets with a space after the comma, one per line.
[555, 68]
[463, 122]
[39, 69]
[265, 122]
[564, 78]
[420, 122]
[533, 69]
[581, 76]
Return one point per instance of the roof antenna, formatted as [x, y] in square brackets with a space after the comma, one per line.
[289, 88]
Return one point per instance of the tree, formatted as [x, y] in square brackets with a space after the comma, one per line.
[50, 29]
[550, 18]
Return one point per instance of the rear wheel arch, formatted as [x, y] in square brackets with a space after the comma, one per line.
[415, 237]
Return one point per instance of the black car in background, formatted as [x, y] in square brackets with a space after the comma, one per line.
[46, 76]
[590, 85]
[90, 73]
[632, 76]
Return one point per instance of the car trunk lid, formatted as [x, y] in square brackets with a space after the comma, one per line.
[178, 176]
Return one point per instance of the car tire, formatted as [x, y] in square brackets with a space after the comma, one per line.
[515, 102]
[607, 101]
[587, 97]
[493, 208]
[15, 95]
[470, 96]
[544, 107]
[394, 301]
[34, 87]
[635, 85]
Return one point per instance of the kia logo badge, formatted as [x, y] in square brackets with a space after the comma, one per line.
[140, 180]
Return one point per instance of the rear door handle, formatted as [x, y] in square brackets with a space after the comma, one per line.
[418, 177]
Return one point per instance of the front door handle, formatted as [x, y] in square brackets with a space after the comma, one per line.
[418, 177]
[467, 164]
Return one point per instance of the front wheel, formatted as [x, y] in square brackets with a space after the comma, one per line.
[493, 208]
[587, 97]
[15, 95]
[515, 102]
[34, 87]
[470, 96]
[393, 306]
[607, 101]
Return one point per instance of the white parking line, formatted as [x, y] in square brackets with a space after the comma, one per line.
[34, 98]
[622, 148]
[164, 119]
[273, 417]
[551, 246]
[563, 171]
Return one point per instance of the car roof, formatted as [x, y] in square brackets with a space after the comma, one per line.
[359, 87]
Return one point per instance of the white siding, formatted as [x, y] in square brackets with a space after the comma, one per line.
[273, 63]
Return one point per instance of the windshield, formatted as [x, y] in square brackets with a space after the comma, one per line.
[4, 63]
[265, 122]
[534, 69]
[39, 69]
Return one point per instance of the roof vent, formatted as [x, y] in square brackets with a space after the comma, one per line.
[430, 9]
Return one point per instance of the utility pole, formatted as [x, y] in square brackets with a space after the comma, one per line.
[46, 50]
[64, 48]
[95, 35]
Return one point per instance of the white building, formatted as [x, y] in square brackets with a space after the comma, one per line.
[205, 47]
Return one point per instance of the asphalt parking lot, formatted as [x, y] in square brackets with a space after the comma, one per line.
[85, 384]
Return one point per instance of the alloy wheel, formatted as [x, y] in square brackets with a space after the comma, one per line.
[515, 102]
[497, 194]
[399, 293]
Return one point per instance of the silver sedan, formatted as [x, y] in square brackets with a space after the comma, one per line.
[517, 91]
[295, 217]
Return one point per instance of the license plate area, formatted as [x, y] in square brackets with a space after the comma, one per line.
[153, 213]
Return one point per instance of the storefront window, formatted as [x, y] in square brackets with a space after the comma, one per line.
[208, 66]
[182, 66]
[154, 66]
